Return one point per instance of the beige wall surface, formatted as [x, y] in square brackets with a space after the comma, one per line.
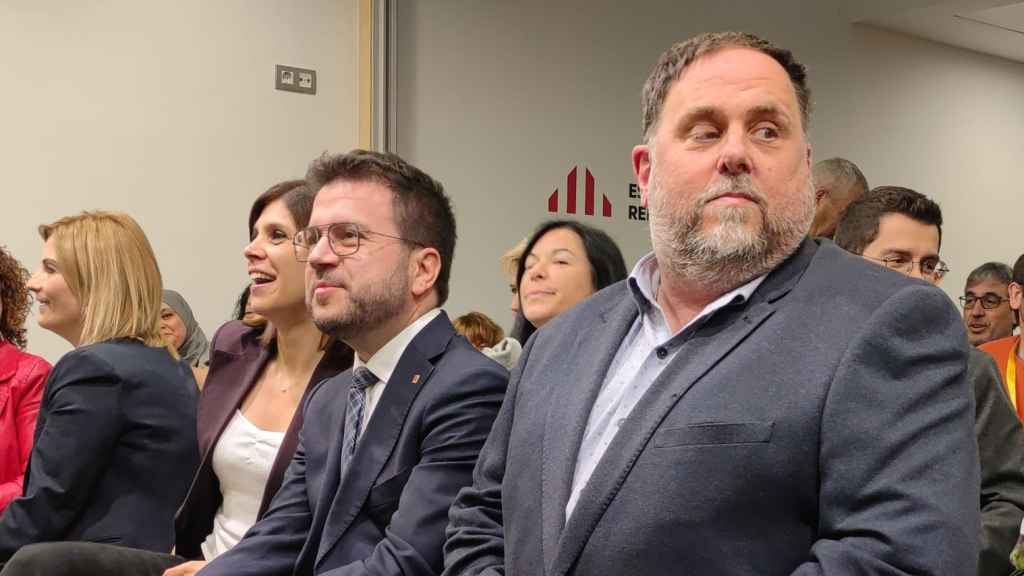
[500, 99]
[167, 111]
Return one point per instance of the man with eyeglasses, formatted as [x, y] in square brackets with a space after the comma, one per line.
[986, 303]
[1008, 352]
[902, 230]
[386, 446]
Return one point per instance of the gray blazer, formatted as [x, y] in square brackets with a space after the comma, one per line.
[823, 427]
[1001, 451]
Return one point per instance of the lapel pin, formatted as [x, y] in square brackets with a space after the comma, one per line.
[416, 379]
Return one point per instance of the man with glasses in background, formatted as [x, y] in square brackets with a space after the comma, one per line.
[386, 446]
[902, 230]
[986, 303]
[1007, 351]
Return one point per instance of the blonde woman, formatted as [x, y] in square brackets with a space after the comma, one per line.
[115, 440]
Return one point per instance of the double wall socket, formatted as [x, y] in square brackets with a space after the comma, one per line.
[295, 79]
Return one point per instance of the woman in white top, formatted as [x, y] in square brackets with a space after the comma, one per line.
[248, 420]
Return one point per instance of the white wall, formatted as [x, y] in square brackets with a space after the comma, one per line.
[500, 99]
[166, 110]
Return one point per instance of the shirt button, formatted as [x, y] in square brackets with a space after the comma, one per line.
[661, 352]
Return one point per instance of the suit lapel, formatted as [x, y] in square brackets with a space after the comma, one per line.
[375, 447]
[222, 400]
[707, 347]
[570, 409]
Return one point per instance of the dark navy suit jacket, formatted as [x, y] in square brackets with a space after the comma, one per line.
[115, 449]
[388, 514]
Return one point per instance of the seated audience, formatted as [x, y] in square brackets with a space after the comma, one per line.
[1008, 352]
[564, 262]
[986, 303]
[902, 230]
[21, 379]
[486, 336]
[179, 327]
[386, 446]
[115, 441]
[837, 183]
[248, 418]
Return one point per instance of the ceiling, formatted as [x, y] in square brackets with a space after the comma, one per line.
[990, 26]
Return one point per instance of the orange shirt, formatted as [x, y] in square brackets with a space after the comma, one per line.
[1004, 352]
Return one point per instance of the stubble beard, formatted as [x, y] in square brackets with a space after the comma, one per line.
[730, 253]
[368, 307]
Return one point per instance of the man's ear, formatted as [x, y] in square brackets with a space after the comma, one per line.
[819, 195]
[642, 170]
[1016, 293]
[425, 267]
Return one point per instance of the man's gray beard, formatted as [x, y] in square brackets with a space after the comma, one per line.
[375, 305]
[729, 255]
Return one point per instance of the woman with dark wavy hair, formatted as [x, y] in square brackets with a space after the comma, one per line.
[22, 376]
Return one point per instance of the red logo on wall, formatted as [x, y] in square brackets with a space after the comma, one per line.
[588, 195]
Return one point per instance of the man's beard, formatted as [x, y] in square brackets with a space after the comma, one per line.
[729, 254]
[368, 307]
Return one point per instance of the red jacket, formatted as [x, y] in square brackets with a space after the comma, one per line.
[22, 377]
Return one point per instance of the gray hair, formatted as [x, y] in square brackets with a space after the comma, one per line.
[844, 179]
[990, 271]
[678, 58]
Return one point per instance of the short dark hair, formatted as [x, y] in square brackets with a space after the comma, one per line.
[423, 212]
[14, 297]
[1018, 270]
[859, 226]
[678, 58]
[989, 271]
[607, 265]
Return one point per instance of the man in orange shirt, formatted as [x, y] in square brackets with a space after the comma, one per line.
[1007, 351]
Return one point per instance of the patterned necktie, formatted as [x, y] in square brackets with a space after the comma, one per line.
[362, 379]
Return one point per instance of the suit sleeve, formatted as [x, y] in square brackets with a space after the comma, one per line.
[475, 536]
[81, 426]
[272, 546]
[1001, 452]
[898, 488]
[26, 397]
[455, 428]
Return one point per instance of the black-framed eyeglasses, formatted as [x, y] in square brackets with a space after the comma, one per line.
[344, 238]
[930, 267]
[989, 301]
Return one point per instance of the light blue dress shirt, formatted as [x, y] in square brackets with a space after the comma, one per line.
[646, 350]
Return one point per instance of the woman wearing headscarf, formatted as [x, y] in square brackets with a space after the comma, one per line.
[179, 327]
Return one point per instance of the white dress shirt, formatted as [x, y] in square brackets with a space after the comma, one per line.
[384, 362]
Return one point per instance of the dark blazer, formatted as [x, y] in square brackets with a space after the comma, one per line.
[1001, 452]
[236, 362]
[114, 451]
[387, 515]
[825, 426]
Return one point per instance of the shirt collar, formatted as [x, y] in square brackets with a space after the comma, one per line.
[384, 362]
[645, 279]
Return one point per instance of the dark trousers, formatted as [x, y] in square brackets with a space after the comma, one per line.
[86, 558]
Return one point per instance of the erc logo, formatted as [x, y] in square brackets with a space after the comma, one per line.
[588, 195]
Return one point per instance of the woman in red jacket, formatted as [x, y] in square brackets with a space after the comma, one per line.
[21, 379]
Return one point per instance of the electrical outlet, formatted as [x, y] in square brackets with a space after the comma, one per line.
[294, 79]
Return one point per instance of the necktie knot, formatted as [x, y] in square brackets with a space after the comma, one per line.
[362, 378]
